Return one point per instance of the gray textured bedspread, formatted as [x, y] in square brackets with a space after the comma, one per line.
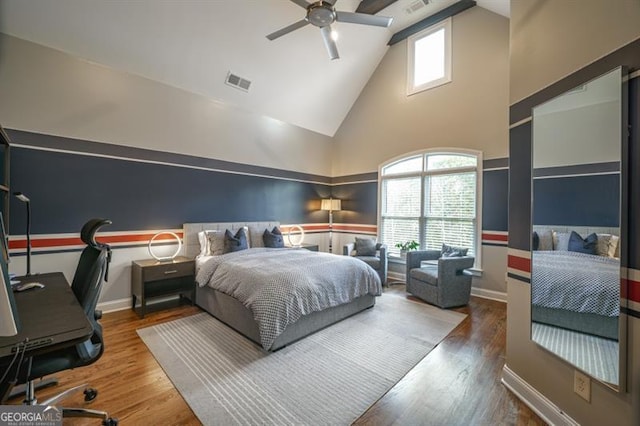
[576, 281]
[281, 285]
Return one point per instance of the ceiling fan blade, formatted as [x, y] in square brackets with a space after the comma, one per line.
[364, 19]
[287, 29]
[331, 2]
[301, 3]
[329, 43]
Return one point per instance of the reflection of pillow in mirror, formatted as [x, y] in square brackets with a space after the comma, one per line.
[561, 240]
[546, 240]
[607, 245]
[535, 241]
[614, 247]
[580, 245]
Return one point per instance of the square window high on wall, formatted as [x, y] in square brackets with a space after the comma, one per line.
[429, 58]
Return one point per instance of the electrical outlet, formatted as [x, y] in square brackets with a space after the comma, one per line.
[582, 385]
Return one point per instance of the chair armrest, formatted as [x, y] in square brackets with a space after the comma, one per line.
[347, 249]
[382, 248]
[415, 257]
[454, 265]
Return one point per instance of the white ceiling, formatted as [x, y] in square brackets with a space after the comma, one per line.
[193, 44]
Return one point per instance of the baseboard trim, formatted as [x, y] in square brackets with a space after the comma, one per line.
[539, 403]
[115, 305]
[489, 294]
[122, 304]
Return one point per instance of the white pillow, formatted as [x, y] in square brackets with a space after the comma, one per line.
[561, 240]
[545, 239]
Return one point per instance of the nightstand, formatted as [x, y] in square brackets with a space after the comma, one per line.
[150, 278]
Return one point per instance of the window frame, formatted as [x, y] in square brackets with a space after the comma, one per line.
[411, 42]
[422, 174]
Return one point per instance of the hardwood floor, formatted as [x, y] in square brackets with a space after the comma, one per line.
[458, 383]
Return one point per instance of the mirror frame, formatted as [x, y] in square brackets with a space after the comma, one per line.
[623, 214]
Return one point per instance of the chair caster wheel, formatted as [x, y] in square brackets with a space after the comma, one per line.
[90, 394]
[110, 422]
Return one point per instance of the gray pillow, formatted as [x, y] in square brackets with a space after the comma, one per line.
[451, 251]
[235, 242]
[365, 246]
[273, 239]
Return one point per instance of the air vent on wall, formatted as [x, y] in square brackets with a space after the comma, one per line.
[416, 6]
[237, 82]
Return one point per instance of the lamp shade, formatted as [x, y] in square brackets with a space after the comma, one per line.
[330, 204]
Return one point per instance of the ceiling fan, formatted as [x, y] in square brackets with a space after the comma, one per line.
[322, 14]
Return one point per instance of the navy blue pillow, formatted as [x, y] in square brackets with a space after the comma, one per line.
[273, 239]
[235, 242]
[587, 245]
[535, 241]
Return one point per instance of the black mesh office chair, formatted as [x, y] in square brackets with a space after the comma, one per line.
[92, 269]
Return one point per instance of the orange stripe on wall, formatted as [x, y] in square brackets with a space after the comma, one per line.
[519, 263]
[76, 241]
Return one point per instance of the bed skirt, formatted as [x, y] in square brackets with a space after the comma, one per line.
[597, 325]
[233, 313]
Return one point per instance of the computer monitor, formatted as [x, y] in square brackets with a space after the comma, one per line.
[9, 323]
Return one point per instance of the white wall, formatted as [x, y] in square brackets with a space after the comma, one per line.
[470, 112]
[47, 91]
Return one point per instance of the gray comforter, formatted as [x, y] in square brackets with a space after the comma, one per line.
[576, 281]
[281, 285]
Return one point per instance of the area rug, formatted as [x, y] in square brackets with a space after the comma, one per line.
[330, 377]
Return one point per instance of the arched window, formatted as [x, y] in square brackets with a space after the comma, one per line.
[432, 197]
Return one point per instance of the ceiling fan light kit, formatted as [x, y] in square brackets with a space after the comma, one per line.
[322, 14]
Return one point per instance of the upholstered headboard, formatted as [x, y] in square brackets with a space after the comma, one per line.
[190, 232]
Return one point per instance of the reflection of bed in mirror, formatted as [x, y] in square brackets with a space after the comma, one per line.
[576, 291]
[231, 268]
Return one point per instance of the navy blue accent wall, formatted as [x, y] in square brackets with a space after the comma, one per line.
[520, 187]
[577, 200]
[67, 189]
[495, 198]
[359, 203]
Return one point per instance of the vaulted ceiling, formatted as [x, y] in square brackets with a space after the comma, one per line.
[194, 44]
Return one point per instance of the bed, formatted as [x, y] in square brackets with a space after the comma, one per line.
[576, 291]
[328, 288]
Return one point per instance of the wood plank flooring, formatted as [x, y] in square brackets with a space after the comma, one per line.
[458, 383]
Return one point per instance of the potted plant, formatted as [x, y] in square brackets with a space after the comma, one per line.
[407, 246]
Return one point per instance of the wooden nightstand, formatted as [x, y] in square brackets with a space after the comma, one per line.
[150, 278]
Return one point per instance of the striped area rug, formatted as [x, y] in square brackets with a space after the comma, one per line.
[330, 377]
[594, 355]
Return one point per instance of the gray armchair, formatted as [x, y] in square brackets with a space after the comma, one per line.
[444, 283]
[378, 262]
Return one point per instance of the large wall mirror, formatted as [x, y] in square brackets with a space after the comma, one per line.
[576, 216]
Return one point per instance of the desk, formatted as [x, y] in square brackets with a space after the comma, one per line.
[50, 317]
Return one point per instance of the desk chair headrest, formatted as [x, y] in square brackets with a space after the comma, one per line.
[88, 233]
